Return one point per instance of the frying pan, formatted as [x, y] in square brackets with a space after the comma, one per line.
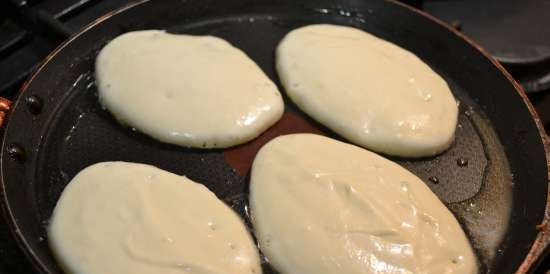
[494, 178]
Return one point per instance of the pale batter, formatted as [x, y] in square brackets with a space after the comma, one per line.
[117, 217]
[193, 91]
[368, 90]
[320, 206]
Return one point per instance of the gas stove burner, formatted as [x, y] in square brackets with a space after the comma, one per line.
[515, 32]
[31, 29]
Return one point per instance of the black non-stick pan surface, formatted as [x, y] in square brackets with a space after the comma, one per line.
[494, 177]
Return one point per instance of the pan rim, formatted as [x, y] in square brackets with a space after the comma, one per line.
[20, 239]
[537, 248]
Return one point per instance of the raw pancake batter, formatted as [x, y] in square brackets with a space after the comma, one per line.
[192, 91]
[320, 206]
[117, 217]
[368, 90]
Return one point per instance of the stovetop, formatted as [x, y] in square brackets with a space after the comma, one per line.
[515, 32]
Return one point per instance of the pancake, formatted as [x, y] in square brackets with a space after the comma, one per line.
[320, 206]
[117, 217]
[370, 91]
[192, 91]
